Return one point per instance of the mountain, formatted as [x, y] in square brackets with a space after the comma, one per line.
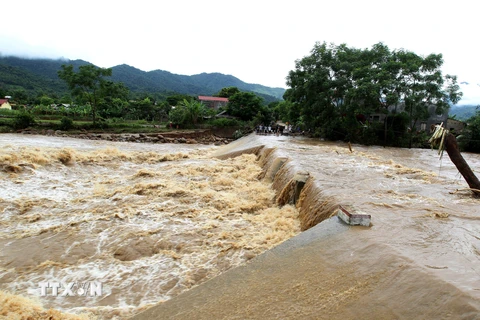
[40, 76]
[464, 112]
[199, 84]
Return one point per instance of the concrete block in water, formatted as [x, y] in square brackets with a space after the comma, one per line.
[274, 167]
[353, 217]
[300, 179]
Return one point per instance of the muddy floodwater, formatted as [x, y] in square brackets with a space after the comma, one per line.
[151, 221]
[147, 221]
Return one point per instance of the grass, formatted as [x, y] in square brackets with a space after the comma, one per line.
[114, 125]
[8, 113]
[6, 125]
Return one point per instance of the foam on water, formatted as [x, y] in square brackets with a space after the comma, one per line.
[148, 225]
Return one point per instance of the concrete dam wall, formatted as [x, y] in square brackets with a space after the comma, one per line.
[419, 259]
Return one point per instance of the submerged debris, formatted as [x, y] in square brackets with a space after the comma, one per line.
[353, 217]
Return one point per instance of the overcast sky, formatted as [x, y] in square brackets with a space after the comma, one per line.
[255, 41]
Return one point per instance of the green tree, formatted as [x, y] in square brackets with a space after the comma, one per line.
[244, 105]
[46, 100]
[114, 99]
[23, 120]
[86, 84]
[66, 124]
[227, 92]
[423, 85]
[176, 99]
[177, 115]
[141, 109]
[66, 98]
[470, 138]
[163, 110]
[193, 110]
[42, 109]
[20, 96]
[316, 87]
[335, 88]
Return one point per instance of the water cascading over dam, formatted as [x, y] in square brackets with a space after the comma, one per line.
[291, 184]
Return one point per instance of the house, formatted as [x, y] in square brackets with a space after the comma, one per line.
[60, 105]
[377, 117]
[433, 119]
[4, 104]
[427, 124]
[213, 102]
[455, 125]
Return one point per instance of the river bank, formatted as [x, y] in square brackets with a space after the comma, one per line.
[206, 137]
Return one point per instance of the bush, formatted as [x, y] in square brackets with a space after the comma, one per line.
[372, 134]
[5, 129]
[470, 138]
[420, 140]
[224, 122]
[237, 134]
[66, 124]
[8, 112]
[177, 116]
[116, 120]
[23, 120]
[100, 124]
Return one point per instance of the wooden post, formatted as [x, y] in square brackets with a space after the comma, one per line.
[451, 147]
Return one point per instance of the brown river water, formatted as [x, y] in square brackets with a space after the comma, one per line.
[150, 221]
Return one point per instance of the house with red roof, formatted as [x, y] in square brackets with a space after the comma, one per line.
[4, 104]
[213, 102]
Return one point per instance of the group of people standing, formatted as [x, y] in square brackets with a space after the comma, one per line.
[277, 130]
[265, 130]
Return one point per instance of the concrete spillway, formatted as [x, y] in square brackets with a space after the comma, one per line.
[327, 272]
[419, 260]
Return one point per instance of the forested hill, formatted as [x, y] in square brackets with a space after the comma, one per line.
[463, 112]
[40, 76]
[199, 84]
